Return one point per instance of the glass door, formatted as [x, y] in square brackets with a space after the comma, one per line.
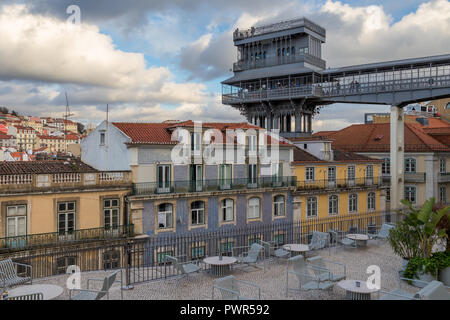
[252, 175]
[196, 183]
[163, 176]
[225, 176]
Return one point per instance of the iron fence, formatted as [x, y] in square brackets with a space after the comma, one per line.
[143, 258]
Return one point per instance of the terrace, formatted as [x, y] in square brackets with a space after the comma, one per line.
[140, 261]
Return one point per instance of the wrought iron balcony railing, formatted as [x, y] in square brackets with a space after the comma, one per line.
[341, 183]
[55, 238]
[148, 188]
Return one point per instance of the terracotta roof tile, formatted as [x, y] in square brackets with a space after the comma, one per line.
[42, 167]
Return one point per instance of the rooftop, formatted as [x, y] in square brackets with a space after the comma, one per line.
[44, 167]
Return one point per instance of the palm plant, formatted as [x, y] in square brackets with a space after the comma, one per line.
[424, 222]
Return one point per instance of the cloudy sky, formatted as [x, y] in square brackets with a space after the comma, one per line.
[158, 60]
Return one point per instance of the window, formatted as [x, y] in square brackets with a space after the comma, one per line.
[447, 106]
[198, 213]
[443, 194]
[198, 252]
[371, 201]
[252, 143]
[253, 208]
[333, 205]
[102, 138]
[225, 176]
[163, 176]
[196, 141]
[196, 177]
[442, 166]
[410, 165]
[227, 209]
[311, 207]
[111, 259]
[410, 193]
[351, 173]
[369, 171]
[278, 206]
[310, 174]
[252, 174]
[353, 202]
[278, 239]
[16, 221]
[331, 174]
[64, 262]
[161, 256]
[111, 213]
[227, 248]
[388, 194]
[386, 166]
[165, 216]
[66, 217]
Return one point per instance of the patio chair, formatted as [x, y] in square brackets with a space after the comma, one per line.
[328, 270]
[8, 273]
[383, 233]
[271, 251]
[32, 296]
[433, 290]
[319, 241]
[183, 268]
[304, 272]
[230, 288]
[250, 257]
[93, 294]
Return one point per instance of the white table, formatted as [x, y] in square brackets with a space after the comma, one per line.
[49, 291]
[296, 247]
[220, 266]
[361, 239]
[356, 293]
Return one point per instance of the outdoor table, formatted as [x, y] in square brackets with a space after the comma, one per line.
[296, 247]
[220, 267]
[49, 291]
[356, 293]
[361, 239]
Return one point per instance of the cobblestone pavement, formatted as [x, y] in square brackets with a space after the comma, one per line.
[272, 281]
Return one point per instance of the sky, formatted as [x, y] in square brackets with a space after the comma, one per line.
[160, 60]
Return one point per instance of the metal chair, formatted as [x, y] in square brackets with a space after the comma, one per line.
[383, 233]
[250, 257]
[230, 288]
[271, 251]
[183, 268]
[8, 273]
[92, 294]
[433, 290]
[304, 272]
[319, 240]
[32, 296]
[328, 270]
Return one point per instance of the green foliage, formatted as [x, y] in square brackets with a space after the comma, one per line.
[424, 222]
[438, 261]
[404, 241]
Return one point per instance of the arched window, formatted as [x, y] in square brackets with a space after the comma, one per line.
[353, 202]
[227, 206]
[371, 201]
[253, 208]
[165, 216]
[447, 106]
[333, 205]
[410, 165]
[197, 212]
[278, 206]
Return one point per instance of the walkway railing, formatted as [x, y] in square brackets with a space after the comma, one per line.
[341, 183]
[275, 61]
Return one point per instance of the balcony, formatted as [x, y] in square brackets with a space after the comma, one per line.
[444, 177]
[56, 238]
[415, 177]
[41, 182]
[341, 183]
[152, 188]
